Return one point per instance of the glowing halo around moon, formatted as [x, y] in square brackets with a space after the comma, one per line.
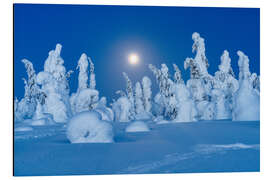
[133, 59]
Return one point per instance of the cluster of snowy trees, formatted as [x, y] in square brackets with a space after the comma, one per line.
[47, 98]
[202, 97]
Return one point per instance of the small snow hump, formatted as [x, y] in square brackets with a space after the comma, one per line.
[87, 127]
[137, 126]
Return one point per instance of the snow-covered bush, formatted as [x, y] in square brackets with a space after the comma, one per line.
[137, 126]
[87, 127]
[246, 101]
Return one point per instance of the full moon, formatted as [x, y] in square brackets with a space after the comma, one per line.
[133, 59]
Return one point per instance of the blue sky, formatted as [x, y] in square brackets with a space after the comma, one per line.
[108, 34]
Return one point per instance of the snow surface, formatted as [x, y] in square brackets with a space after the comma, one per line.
[88, 127]
[204, 146]
[137, 126]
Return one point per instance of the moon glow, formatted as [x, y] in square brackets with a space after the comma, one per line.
[133, 59]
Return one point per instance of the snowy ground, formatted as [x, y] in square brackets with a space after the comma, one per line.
[216, 146]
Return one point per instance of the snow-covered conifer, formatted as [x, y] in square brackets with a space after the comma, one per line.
[92, 82]
[246, 101]
[83, 72]
[225, 85]
[139, 109]
[55, 85]
[186, 111]
[146, 88]
[130, 95]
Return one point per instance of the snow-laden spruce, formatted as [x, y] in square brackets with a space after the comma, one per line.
[86, 97]
[26, 107]
[201, 83]
[88, 127]
[147, 93]
[137, 126]
[225, 85]
[164, 101]
[246, 101]
[186, 110]
[54, 84]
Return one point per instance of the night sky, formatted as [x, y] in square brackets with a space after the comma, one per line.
[108, 34]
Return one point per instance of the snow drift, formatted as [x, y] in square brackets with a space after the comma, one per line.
[87, 127]
[137, 126]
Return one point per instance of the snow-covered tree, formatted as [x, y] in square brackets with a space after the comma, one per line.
[177, 75]
[225, 85]
[83, 72]
[26, 107]
[147, 93]
[130, 95]
[165, 99]
[201, 83]
[186, 111]
[92, 83]
[121, 109]
[139, 109]
[246, 101]
[87, 97]
[55, 85]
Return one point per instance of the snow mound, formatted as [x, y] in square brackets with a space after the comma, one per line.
[87, 127]
[22, 129]
[137, 126]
